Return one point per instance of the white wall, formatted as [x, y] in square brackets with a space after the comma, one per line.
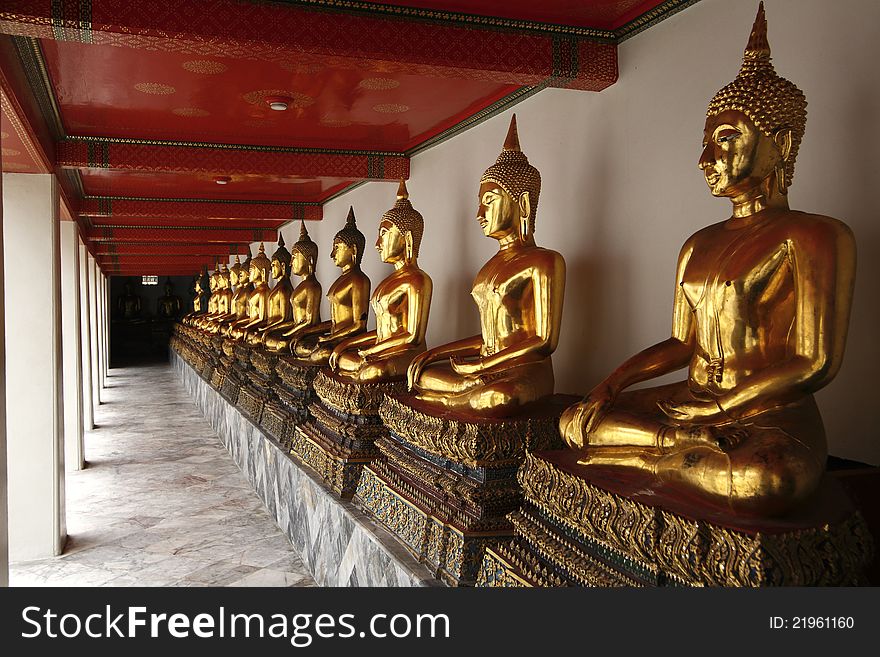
[621, 189]
[34, 419]
[71, 346]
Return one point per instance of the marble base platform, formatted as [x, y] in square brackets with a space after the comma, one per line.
[338, 543]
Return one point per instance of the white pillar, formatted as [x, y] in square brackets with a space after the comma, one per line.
[34, 401]
[86, 339]
[71, 340]
[105, 283]
[93, 321]
[4, 520]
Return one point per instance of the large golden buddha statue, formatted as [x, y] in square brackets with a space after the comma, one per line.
[213, 288]
[258, 298]
[278, 309]
[349, 297]
[168, 305]
[760, 316]
[401, 303]
[519, 295]
[128, 304]
[305, 299]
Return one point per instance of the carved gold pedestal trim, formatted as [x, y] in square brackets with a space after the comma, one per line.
[445, 482]
[607, 527]
[340, 436]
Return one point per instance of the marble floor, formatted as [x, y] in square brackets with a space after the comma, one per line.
[160, 502]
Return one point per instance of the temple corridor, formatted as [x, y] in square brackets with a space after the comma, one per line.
[160, 502]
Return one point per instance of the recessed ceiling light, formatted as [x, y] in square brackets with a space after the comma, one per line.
[278, 103]
[222, 180]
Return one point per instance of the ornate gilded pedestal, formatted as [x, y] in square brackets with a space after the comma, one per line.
[602, 526]
[258, 389]
[446, 480]
[340, 436]
[290, 406]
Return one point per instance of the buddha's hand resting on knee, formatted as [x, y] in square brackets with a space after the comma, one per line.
[414, 371]
[579, 420]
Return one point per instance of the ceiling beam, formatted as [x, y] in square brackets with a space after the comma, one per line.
[126, 249]
[133, 261]
[179, 235]
[440, 44]
[186, 211]
[231, 161]
[164, 222]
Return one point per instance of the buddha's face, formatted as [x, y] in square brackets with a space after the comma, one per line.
[736, 157]
[254, 274]
[390, 244]
[299, 264]
[277, 269]
[342, 254]
[498, 214]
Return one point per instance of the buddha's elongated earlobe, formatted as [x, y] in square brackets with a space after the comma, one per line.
[408, 238]
[525, 213]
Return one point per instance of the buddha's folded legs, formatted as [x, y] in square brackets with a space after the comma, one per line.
[351, 365]
[766, 464]
[495, 393]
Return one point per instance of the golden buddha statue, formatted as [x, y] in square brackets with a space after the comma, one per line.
[227, 278]
[278, 309]
[239, 303]
[349, 299]
[128, 304]
[213, 288]
[169, 305]
[401, 303]
[519, 294]
[258, 298]
[200, 286]
[760, 316]
[305, 300]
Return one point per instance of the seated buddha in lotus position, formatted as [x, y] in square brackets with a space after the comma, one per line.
[305, 299]
[239, 303]
[349, 297]
[212, 300]
[519, 294]
[401, 303]
[760, 317]
[222, 319]
[168, 305]
[258, 298]
[223, 302]
[278, 310]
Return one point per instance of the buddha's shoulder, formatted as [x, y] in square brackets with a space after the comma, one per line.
[539, 256]
[805, 224]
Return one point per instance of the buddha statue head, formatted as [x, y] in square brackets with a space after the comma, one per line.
[754, 126]
[223, 277]
[348, 244]
[244, 274]
[400, 230]
[304, 253]
[509, 191]
[280, 260]
[235, 272]
[259, 267]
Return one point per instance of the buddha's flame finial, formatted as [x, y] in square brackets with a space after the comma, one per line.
[303, 233]
[237, 260]
[756, 58]
[280, 239]
[402, 192]
[262, 249]
[349, 220]
[511, 142]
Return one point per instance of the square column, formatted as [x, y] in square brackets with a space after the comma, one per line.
[94, 332]
[86, 339]
[71, 340]
[34, 398]
[4, 519]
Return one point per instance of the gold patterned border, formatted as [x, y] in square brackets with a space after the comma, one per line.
[696, 552]
[496, 444]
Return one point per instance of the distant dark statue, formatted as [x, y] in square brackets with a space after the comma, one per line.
[169, 305]
[128, 304]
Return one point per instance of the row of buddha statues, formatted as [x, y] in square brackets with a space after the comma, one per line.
[760, 314]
